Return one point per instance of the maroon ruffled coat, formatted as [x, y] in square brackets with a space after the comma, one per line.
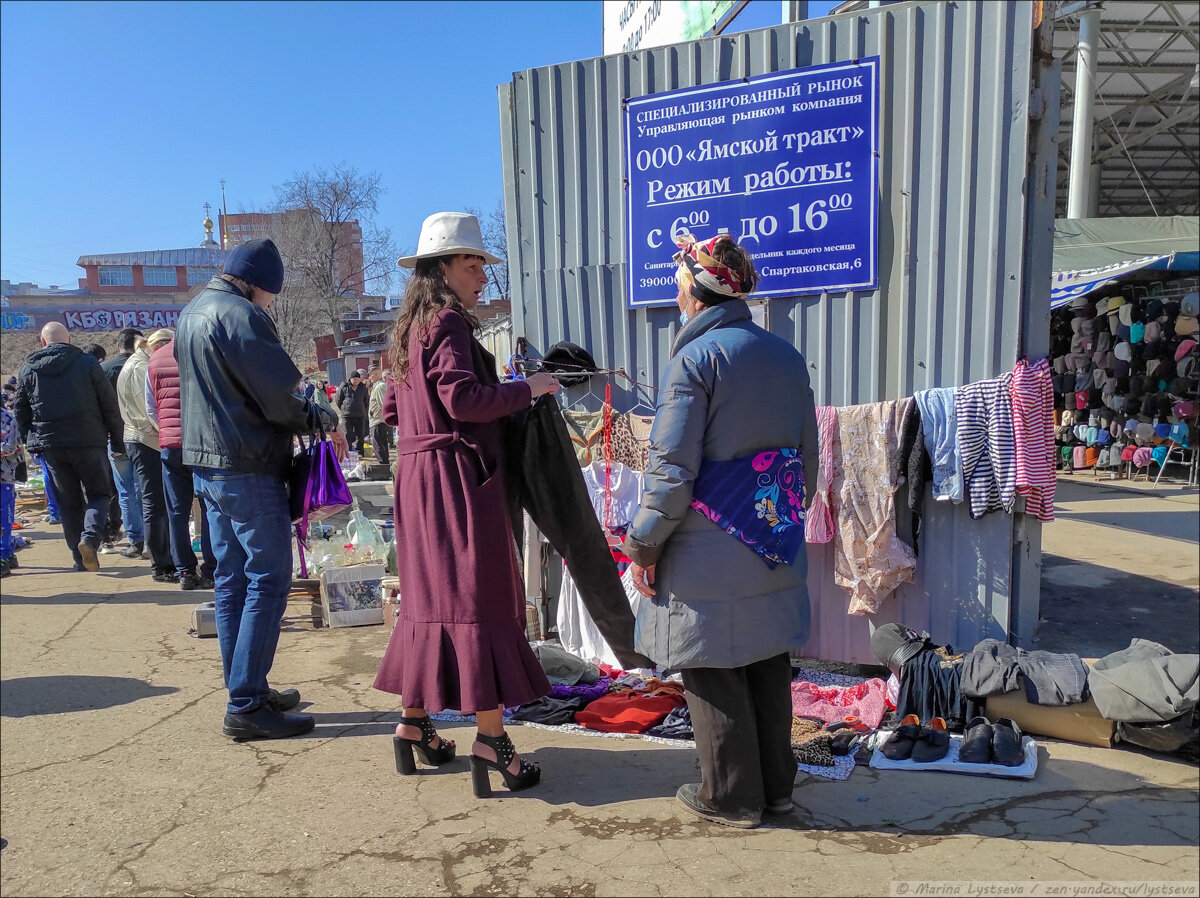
[460, 639]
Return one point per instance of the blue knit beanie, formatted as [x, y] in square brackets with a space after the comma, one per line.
[258, 263]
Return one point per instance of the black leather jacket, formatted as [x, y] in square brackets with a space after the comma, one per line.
[238, 387]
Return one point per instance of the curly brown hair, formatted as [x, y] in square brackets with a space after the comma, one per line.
[426, 294]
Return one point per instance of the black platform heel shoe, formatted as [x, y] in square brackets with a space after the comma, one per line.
[434, 757]
[528, 775]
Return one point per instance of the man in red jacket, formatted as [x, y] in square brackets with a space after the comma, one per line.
[162, 395]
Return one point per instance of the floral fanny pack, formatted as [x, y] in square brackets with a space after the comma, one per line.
[759, 499]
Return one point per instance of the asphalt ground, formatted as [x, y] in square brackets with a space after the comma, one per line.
[115, 778]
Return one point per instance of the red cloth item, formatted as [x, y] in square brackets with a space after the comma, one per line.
[628, 712]
[867, 701]
[613, 673]
[163, 372]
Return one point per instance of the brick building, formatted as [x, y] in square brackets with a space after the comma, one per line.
[238, 228]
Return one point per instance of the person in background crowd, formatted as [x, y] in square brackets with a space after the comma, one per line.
[10, 444]
[141, 444]
[129, 491]
[240, 411]
[352, 401]
[65, 410]
[112, 531]
[381, 432]
[728, 621]
[10, 394]
[460, 640]
[162, 401]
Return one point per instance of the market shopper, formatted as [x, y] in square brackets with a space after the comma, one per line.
[381, 431]
[352, 402]
[125, 479]
[240, 409]
[141, 445]
[162, 382]
[460, 639]
[734, 403]
[66, 410]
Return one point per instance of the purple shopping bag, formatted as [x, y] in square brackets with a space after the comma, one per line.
[317, 488]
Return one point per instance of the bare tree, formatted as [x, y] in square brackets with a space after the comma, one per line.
[495, 241]
[322, 220]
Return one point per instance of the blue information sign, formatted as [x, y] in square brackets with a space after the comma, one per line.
[785, 163]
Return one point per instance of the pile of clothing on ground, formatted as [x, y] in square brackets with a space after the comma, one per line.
[1149, 691]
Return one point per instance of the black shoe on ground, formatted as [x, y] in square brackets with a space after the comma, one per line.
[78, 568]
[133, 550]
[87, 555]
[206, 582]
[189, 581]
[165, 577]
[283, 699]
[266, 723]
[5, 568]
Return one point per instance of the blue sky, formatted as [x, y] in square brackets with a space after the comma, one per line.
[118, 120]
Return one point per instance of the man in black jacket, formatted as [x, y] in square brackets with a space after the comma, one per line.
[353, 398]
[129, 490]
[67, 410]
[240, 407]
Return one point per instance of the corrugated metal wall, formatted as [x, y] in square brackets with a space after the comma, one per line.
[963, 186]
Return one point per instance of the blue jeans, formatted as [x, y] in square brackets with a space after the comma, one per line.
[48, 483]
[250, 527]
[130, 494]
[179, 492]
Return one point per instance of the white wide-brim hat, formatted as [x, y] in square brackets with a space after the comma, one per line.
[448, 234]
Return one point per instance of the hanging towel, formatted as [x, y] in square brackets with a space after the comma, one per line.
[869, 559]
[1033, 432]
[818, 525]
[939, 424]
[987, 445]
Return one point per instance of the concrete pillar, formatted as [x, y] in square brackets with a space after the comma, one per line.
[1079, 187]
[795, 11]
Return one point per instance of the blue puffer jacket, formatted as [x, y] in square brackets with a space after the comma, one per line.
[237, 386]
[730, 390]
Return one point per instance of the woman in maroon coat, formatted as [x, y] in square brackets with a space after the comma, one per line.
[460, 639]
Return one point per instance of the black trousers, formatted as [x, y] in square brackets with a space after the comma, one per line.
[356, 433]
[545, 479]
[82, 490]
[742, 721]
[381, 439]
[147, 463]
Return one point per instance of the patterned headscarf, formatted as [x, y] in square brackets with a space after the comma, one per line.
[703, 276]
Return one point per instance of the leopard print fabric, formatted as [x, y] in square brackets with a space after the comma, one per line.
[812, 744]
[631, 440]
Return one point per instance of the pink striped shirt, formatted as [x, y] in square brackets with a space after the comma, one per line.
[1033, 429]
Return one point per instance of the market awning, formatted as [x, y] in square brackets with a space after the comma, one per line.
[1090, 252]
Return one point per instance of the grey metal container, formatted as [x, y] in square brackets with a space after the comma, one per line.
[968, 114]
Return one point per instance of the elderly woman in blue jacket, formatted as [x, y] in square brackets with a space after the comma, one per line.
[718, 541]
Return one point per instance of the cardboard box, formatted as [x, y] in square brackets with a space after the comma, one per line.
[1080, 723]
[352, 596]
